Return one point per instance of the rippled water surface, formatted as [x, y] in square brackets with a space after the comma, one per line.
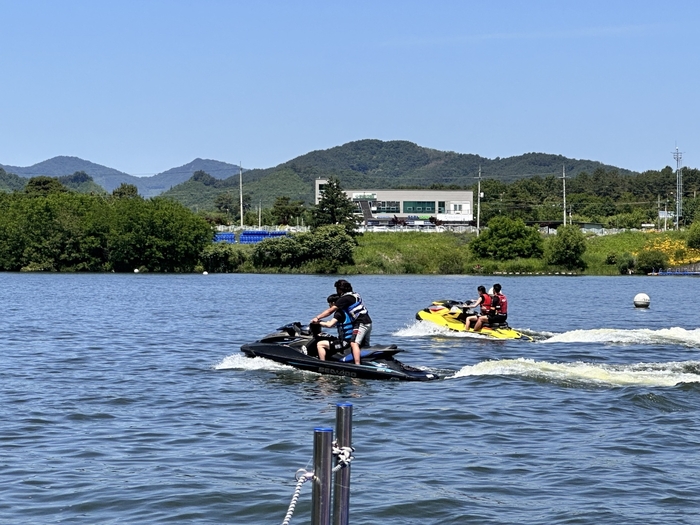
[125, 399]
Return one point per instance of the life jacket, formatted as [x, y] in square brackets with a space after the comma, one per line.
[485, 303]
[356, 309]
[345, 327]
[502, 304]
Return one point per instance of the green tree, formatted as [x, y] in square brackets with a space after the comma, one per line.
[42, 185]
[222, 257]
[693, 240]
[158, 234]
[331, 247]
[125, 191]
[203, 177]
[651, 260]
[284, 210]
[326, 248]
[289, 251]
[507, 239]
[566, 248]
[225, 202]
[335, 207]
[55, 232]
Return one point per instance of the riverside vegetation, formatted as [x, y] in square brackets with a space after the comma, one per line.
[46, 227]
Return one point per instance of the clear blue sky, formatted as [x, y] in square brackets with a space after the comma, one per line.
[144, 86]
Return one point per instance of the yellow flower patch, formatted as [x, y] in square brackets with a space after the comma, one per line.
[676, 250]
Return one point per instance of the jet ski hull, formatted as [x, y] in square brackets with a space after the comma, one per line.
[449, 314]
[294, 348]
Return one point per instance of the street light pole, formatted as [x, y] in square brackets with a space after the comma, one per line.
[240, 188]
[563, 179]
[478, 203]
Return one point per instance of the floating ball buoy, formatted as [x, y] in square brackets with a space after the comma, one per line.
[205, 273]
[136, 270]
[641, 300]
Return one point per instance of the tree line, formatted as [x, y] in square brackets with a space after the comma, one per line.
[46, 227]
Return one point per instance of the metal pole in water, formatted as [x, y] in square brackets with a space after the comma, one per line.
[323, 467]
[341, 482]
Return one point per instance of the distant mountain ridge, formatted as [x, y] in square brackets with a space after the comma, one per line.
[376, 164]
[362, 164]
[110, 178]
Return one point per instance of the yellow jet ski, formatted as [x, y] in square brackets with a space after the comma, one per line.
[453, 314]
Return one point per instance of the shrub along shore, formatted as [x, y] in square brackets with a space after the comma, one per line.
[633, 252]
[48, 228]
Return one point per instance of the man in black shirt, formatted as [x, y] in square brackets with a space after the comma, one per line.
[351, 303]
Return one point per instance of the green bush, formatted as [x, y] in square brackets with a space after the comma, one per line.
[625, 264]
[566, 248]
[289, 251]
[222, 257]
[693, 240]
[450, 263]
[321, 251]
[651, 260]
[507, 239]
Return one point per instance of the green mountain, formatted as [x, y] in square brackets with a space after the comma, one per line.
[80, 182]
[367, 164]
[10, 182]
[110, 178]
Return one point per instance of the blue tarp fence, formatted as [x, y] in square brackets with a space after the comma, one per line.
[248, 236]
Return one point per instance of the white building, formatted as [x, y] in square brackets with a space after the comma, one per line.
[413, 206]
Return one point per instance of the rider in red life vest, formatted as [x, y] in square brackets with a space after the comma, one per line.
[499, 311]
[484, 303]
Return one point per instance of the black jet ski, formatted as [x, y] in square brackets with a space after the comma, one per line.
[295, 345]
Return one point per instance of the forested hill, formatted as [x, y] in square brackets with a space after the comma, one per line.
[110, 178]
[61, 166]
[402, 164]
[361, 164]
[378, 164]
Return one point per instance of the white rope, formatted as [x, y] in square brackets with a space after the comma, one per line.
[344, 456]
[302, 477]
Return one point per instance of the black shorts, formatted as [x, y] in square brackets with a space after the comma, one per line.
[498, 319]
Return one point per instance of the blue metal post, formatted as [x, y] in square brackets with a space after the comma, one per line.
[341, 483]
[323, 468]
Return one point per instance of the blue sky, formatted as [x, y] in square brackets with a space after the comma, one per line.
[144, 86]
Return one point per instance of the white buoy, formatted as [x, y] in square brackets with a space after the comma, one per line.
[136, 270]
[205, 273]
[641, 300]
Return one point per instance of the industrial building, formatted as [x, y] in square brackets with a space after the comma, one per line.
[412, 207]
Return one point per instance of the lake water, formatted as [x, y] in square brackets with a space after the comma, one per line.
[125, 399]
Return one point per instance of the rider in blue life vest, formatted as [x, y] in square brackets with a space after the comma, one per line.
[351, 303]
[343, 322]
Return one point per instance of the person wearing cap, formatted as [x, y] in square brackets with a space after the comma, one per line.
[343, 323]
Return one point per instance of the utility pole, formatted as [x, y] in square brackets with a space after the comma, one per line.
[563, 179]
[679, 186]
[478, 203]
[240, 188]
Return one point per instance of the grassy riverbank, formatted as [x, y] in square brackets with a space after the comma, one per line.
[448, 253]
